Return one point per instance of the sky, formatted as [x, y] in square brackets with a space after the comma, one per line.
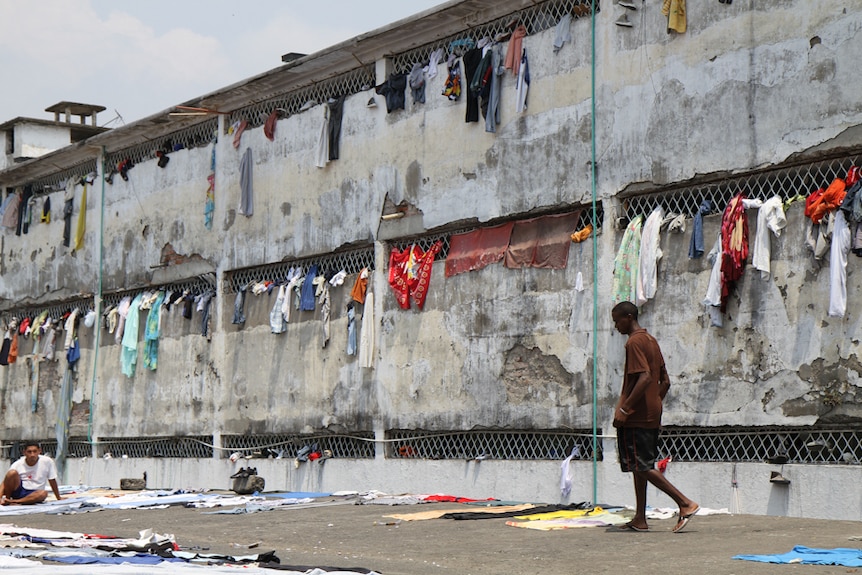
[138, 58]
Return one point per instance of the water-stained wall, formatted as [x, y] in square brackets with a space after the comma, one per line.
[750, 85]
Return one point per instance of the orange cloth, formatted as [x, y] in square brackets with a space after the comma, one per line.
[360, 286]
[582, 234]
[13, 348]
[821, 202]
[513, 52]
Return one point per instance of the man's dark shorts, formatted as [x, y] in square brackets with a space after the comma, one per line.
[21, 493]
[638, 448]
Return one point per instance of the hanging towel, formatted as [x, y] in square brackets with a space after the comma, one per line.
[209, 205]
[675, 12]
[321, 157]
[770, 218]
[648, 257]
[513, 52]
[542, 242]
[351, 329]
[626, 263]
[82, 221]
[838, 266]
[367, 334]
[477, 249]
[129, 353]
[151, 333]
[246, 186]
[269, 125]
[523, 86]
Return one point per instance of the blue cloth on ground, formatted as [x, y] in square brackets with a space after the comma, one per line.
[136, 559]
[811, 556]
[296, 495]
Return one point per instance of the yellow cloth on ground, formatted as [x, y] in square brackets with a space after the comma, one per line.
[562, 514]
[437, 513]
[82, 221]
[675, 12]
[601, 519]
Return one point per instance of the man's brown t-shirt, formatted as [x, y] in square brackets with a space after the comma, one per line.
[643, 354]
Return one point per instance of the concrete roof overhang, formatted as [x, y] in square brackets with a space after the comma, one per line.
[418, 30]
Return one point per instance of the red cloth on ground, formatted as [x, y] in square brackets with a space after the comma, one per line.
[477, 249]
[542, 242]
[453, 499]
[734, 246]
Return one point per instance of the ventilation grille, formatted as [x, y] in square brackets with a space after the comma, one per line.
[291, 103]
[175, 447]
[77, 447]
[490, 444]
[359, 445]
[194, 287]
[57, 180]
[785, 182]
[541, 16]
[55, 311]
[351, 262]
[201, 134]
[796, 444]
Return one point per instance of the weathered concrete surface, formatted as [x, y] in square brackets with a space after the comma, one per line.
[347, 536]
[496, 348]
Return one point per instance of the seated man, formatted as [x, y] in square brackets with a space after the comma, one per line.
[25, 481]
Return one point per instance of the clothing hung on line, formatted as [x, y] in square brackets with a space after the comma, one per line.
[393, 91]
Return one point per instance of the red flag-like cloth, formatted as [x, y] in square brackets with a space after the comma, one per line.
[477, 249]
[410, 273]
[542, 242]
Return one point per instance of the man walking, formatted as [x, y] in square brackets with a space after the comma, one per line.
[637, 417]
[25, 482]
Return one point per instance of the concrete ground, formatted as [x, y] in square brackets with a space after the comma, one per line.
[357, 536]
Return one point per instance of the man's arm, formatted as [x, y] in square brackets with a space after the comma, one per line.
[625, 406]
[55, 489]
[638, 391]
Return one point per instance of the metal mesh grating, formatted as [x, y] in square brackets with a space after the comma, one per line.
[490, 444]
[786, 182]
[55, 311]
[797, 444]
[345, 84]
[542, 16]
[350, 261]
[425, 242]
[187, 446]
[358, 445]
[77, 447]
[201, 134]
[193, 286]
[57, 180]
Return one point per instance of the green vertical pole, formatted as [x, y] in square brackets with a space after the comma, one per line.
[98, 337]
[595, 245]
